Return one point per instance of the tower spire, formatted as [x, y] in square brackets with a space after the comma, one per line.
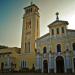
[57, 17]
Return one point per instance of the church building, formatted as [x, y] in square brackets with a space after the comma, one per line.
[53, 52]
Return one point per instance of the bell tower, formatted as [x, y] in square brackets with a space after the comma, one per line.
[31, 29]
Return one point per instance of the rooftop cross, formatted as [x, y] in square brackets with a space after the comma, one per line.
[31, 2]
[57, 13]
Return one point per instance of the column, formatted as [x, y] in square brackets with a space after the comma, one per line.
[55, 64]
[39, 62]
[65, 64]
[72, 64]
[49, 62]
[68, 62]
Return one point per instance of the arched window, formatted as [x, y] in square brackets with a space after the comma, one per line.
[29, 46]
[23, 64]
[58, 48]
[25, 47]
[57, 30]
[62, 29]
[52, 31]
[73, 45]
[44, 50]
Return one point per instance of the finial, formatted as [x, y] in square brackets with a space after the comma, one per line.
[31, 3]
[57, 13]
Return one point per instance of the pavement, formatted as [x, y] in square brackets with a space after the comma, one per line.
[37, 73]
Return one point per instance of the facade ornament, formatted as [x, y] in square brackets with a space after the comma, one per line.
[57, 13]
[31, 3]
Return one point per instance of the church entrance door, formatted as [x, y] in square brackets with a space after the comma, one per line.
[2, 66]
[45, 66]
[59, 64]
[74, 64]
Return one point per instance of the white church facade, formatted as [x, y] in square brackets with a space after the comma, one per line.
[53, 52]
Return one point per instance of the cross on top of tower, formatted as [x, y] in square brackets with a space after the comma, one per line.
[57, 13]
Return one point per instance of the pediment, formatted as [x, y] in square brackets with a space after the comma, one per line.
[58, 22]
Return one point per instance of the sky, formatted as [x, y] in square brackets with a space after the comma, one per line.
[11, 17]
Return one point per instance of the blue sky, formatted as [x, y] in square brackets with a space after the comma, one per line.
[11, 14]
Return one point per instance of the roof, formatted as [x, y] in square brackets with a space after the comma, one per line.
[59, 22]
[43, 36]
[4, 53]
[71, 30]
[3, 47]
[30, 6]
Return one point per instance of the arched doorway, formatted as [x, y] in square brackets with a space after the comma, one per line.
[59, 64]
[73, 46]
[74, 64]
[45, 66]
[2, 66]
